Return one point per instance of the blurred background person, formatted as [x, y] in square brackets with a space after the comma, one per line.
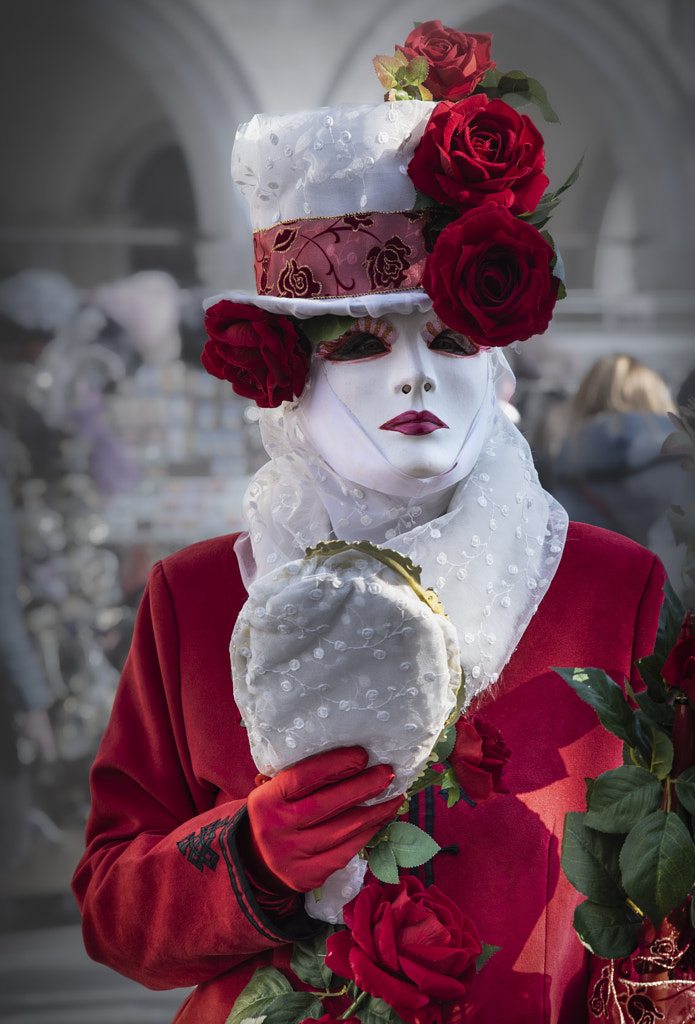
[610, 470]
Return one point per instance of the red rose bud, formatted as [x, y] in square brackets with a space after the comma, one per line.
[457, 60]
[410, 946]
[490, 277]
[259, 353]
[477, 150]
[679, 667]
[479, 758]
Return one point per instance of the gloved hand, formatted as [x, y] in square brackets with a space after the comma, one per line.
[306, 822]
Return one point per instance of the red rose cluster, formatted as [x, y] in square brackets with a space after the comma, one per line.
[490, 275]
[260, 354]
[410, 946]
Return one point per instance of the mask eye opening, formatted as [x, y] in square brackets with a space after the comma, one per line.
[365, 327]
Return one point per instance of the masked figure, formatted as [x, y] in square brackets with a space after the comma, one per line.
[223, 799]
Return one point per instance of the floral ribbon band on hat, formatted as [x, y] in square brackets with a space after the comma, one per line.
[469, 238]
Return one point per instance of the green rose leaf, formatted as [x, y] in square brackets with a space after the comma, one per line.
[427, 777]
[590, 860]
[257, 996]
[597, 688]
[657, 862]
[685, 789]
[446, 743]
[487, 952]
[622, 797]
[382, 864]
[415, 71]
[293, 1008]
[449, 785]
[549, 200]
[325, 328]
[309, 960]
[375, 1011]
[516, 88]
[632, 756]
[387, 68]
[423, 202]
[411, 846]
[662, 751]
[610, 932]
[652, 701]
[670, 619]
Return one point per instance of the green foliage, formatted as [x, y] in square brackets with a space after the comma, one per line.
[400, 844]
[382, 863]
[328, 327]
[516, 88]
[450, 787]
[403, 79]
[597, 688]
[549, 201]
[620, 798]
[632, 852]
[269, 999]
[610, 932]
[657, 863]
[375, 1011]
[685, 789]
[590, 860]
[485, 955]
[308, 960]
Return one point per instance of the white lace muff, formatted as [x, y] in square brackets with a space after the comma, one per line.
[339, 649]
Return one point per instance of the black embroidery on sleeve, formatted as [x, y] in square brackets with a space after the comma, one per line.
[197, 847]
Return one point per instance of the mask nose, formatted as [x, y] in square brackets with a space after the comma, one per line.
[413, 370]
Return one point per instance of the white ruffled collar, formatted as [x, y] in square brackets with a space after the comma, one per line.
[489, 542]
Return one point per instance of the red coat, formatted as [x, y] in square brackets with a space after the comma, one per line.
[163, 895]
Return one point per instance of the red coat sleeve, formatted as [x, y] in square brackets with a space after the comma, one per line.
[161, 888]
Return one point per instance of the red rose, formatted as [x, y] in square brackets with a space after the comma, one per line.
[388, 264]
[490, 277]
[457, 60]
[679, 667]
[259, 353]
[408, 945]
[477, 150]
[479, 758]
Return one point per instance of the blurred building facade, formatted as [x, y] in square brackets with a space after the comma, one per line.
[121, 116]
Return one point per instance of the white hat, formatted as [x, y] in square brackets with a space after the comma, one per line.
[331, 206]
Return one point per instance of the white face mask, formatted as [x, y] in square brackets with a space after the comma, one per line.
[413, 387]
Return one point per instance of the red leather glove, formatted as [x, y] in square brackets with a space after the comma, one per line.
[307, 821]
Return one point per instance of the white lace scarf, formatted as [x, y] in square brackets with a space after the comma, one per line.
[489, 543]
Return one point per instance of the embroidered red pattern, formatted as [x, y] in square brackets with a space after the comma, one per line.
[355, 254]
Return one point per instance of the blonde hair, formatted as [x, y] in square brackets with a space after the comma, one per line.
[620, 383]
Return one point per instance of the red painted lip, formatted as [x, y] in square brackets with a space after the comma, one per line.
[415, 423]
